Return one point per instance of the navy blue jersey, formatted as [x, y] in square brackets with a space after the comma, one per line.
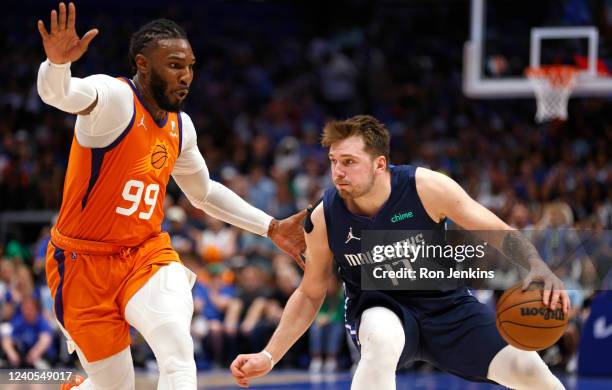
[352, 237]
[445, 325]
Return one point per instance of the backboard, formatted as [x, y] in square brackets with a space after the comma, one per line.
[506, 37]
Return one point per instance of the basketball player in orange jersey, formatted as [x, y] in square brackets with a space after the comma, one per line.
[394, 327]
[109, 265]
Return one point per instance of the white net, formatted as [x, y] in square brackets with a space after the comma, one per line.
[552, 86]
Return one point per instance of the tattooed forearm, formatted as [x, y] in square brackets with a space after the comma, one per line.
[518, 249]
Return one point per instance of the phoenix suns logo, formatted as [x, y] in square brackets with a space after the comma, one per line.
[159, 156]
[157, 159]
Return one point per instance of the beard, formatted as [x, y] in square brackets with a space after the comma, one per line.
[158, 90]
[356, 191]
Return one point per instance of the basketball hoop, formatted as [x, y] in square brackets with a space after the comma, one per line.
[552, 85]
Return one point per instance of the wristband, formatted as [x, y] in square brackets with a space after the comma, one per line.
[269, 355]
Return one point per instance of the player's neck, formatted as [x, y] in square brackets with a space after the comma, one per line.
[149, 102]
[370, 204]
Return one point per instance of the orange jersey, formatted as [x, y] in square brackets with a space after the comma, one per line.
[116, 194]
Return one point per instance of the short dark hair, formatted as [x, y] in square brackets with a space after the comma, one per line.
[150, 33]
[374, 134]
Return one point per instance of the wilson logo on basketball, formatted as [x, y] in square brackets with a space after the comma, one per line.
[548, 314]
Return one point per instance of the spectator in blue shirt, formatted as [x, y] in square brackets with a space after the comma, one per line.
[29, 338]
[211, 300]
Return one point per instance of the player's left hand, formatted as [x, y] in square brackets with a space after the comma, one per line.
[288, 235]
[553, 289]
[61, 42]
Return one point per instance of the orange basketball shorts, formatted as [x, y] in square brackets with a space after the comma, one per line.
[91, 283]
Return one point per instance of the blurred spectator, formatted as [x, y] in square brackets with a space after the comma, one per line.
[182, 241]
[21, 288]
[310, 145]
[7, 279]
[492, 194]
[27, 340]
[246, 311]
[604, 213]
[211, 300]
[520, 218]
[286, 280]
[286, 205]
[262, 190]
[16, 250]
[255, 246]
[287, 156]
[556, 240]
[217, 242]
[327, 331]
[40, 253]
[260, 153]
[310, 183]
[338, 78]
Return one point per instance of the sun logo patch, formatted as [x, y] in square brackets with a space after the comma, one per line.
[157, 159]
[159, 156]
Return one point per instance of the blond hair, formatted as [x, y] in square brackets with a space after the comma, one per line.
[374, 134]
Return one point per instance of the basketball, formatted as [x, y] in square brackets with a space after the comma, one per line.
[159, 156]
[524, 322]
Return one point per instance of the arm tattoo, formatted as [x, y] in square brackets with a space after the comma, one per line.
[518, 249]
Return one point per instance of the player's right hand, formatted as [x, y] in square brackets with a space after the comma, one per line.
[553, 289]
[249, 366]
[62, 44]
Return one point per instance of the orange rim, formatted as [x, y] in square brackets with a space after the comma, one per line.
[557, 75]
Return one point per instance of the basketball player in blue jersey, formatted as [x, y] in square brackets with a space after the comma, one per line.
[449, 329]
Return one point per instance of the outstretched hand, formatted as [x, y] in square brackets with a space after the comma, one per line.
[288, 235]
[62, 44]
